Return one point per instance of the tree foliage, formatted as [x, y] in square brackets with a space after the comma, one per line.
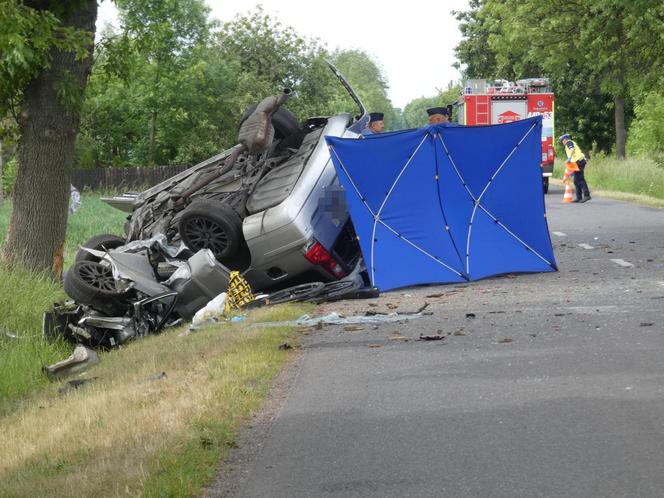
[599, 54]
[170, 88]
[27, 35]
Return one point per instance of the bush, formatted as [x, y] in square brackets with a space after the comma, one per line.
[9, 176]
[647, 130]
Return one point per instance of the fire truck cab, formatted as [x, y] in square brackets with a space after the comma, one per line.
[500, 101]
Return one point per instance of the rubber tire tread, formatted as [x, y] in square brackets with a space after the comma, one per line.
[83, 293]
[224, 216]
[98, 242]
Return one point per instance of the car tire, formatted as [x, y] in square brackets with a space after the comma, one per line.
[92, 284]
[104, 241]
[285, 124]
[208, 224]
[545, 183]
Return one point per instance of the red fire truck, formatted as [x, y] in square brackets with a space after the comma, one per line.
[501, 101]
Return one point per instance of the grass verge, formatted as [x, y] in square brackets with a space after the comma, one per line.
[637, 180]
[24, 297]
[124, 435]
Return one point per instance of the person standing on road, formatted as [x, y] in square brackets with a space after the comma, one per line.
[575, 156]
[376, 124]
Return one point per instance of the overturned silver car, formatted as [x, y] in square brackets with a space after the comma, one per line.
[271, 207]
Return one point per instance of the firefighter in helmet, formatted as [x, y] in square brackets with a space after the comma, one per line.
[376, 124]
[575, 155]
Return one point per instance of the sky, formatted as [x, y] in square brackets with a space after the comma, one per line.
[412, 41]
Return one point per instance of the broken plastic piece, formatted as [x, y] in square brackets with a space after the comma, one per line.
[81, 359]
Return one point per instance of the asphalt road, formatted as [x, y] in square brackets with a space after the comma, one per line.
[554, 388]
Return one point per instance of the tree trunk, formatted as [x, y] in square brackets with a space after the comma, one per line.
[48, 130]
[621, 133]
[2, 175]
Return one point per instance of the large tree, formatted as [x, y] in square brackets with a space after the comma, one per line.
[46, 48]
[155, 92]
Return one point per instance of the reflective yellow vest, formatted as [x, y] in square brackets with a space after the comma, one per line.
[574, 152]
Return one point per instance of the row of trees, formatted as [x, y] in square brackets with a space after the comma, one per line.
[604, 58]
[171, 85]
[168, 86]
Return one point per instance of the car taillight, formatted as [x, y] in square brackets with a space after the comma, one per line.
[318, 255]
[550, 153]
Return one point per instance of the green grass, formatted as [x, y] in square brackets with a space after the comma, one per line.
[638, 176]
[120, 435]
[24, 297]
[92, 218]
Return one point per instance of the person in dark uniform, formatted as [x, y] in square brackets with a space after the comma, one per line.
[576, 156]
[376, 124]
[439, 115]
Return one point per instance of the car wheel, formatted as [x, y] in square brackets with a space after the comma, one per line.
[92, 283]
[102, 242]
[211, 225]
[546, 184]
[285, 124]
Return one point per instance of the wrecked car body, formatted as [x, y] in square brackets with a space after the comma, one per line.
[270, 207]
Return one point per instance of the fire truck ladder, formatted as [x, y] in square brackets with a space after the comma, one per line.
[482, 115]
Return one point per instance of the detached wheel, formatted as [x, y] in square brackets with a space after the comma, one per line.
[211, 225]
[103, 242]
[92, 283]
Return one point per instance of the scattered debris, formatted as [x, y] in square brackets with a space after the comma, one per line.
[532, 335]
[72, 385]
[353, 328]
[459, 332]
[285, 346]
[438, 337]
[396, 336]
[336, 319]
[505, 340]
[646, 324]
[419, 311]
[81, 359]
[375, 345]
[214, 308]
[470, 315]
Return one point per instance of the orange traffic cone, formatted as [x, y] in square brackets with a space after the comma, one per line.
[569, 193]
